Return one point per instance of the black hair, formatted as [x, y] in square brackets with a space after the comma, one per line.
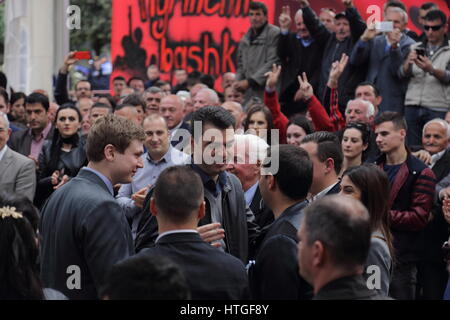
[344, 230]
[36, 97]
[134, 78]
[295, 170]
[119, 78]
[134, 99]
[258, 107]
[15, 96]
[395, 4]
[429, 5]
[19, 272]
[108, 97]
[436, 14]
[4, 93]
[208, 80]
[214, 115]
[3, 80]
[301, 121]
[102, 105]
[328, 146]
[368, 83]
[397, 119]
[256, 5]
[175, 203]
[146, 277]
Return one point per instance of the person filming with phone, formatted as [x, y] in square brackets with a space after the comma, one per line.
[428, 69]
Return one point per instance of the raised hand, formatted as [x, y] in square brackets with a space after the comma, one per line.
[285, 19]
[211, 232]
[273, 76]
[68, 62]
[337, 68]
[305, 91]
[139, 197]
[347, 3]
[369, 33]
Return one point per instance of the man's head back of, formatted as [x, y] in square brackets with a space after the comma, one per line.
[359, 110]
[172, 109]
[114, 147]
[290, 181]
[390, 129]
[435, 26]
[326, 155]
[145, 277]
[178, 208]
[334, 240]
[258, 14]
[436, 135]
[36, 107]
[212, 146]
[157, 139]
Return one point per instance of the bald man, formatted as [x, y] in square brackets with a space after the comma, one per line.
[205, 97]
[236, 110]
[173, 110]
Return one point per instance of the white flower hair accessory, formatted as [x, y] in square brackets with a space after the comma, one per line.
[8, 211]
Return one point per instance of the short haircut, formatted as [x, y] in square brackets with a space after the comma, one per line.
[145, 277]
[295, 171]
[82, 80]
[102, 105]
[134, 78]
[367, 83]
[394, 4]
[108, 97]
[342, 225]
[397, 119]
[256, 5]
[119, 78]
[125, 105]
[439, 121]
[153, 90]
[328, 146]
[156, 116]
[113, 130]
[36, 97]
[176, 204]
[4, 94]
[436, 14]
[135, 99]
[369, 106]
[256, 147]
[213, 115]
[429, 5]
[402, 13]
[212, 94]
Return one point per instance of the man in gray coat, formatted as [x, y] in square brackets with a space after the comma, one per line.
[257, 52]
[17, 172]
[84, 231]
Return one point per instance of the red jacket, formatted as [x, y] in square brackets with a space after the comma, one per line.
[280, 121]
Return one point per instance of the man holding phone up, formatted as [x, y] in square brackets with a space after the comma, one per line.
[384, 54]
[428, 69]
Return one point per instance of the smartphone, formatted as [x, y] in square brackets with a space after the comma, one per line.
[82, 55]
[384, 26]
[420, 51]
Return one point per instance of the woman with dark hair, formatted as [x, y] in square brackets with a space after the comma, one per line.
[298, 127]
[17, 102]
[370, 185]
[19, 250]
[355, 141]
[63, 156]
[259, 119]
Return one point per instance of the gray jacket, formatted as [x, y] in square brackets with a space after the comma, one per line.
[256, 57]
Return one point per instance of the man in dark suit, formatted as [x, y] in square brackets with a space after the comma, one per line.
[84, 231]
[325, 152]
[334, 241]
[211, 273]
[275, 272]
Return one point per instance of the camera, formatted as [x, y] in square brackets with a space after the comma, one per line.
[420, 51]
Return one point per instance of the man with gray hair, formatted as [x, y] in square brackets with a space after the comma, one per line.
[152, 97]
[17, 172]
[249, 153]
[384, 55]
[360, 110]
[236, 110]
[334, 241]
[205, 97]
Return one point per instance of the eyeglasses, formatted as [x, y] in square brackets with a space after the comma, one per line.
[434, 28]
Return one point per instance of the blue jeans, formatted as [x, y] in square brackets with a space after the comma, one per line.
[416, 117]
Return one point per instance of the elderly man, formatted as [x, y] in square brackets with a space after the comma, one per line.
[385, 53]
[84, 105]
[152, 97]
[236, 110]
[257, 51]
[17, 172]
[160, 155]
[432, 274]
[205, 97]
[173, 111]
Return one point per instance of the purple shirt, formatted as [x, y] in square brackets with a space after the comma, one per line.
[38, 141]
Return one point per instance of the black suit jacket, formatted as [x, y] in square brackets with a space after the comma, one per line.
[82, 225]
[20, 141]
[275, 272]
[210, 273]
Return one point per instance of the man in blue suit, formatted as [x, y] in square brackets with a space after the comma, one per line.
[84, 231]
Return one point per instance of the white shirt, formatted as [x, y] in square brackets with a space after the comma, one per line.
[322, 193]
[175, 231]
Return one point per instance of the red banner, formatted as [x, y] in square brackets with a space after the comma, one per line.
[201, 35]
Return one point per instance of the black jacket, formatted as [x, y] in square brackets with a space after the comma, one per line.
[348, 288]
[211, 274]
[238, 221]
[275, 272]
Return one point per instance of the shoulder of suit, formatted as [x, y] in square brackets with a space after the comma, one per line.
[19, 157]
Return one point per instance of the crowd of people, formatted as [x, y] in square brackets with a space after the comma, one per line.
[320, 170]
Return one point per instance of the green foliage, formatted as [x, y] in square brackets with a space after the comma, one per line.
[95, 32]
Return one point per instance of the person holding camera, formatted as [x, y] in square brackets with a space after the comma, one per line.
[428, 69]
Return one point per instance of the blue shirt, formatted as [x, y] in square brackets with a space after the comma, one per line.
[391, 171]
[214, 187]
[250, 193]
[107, 182]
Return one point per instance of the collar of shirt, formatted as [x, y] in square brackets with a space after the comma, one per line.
[3, 151]
[306, 42]
[108, 183]
[208, 182]
[43, 134]
[175, 231]
[322, 193]
[173, 130]
[166, 158]
[250, 193]
[436, 157]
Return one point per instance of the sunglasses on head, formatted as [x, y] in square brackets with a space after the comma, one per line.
[434, 28]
